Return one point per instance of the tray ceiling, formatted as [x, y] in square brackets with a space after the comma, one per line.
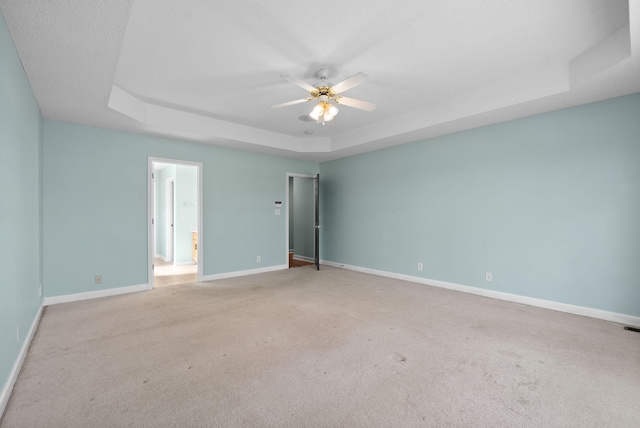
[208, 71]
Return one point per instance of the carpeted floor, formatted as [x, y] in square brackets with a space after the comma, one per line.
[301, 348]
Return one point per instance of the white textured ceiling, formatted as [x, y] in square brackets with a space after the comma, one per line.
[208, 71]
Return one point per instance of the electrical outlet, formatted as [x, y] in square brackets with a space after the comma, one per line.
[98, 279]
[18, 333]
[488, 276]
[420, 266]
[258, 259]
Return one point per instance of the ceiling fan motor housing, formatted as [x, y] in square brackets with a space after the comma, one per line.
[323, 91]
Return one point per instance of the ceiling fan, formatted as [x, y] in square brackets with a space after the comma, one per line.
[326, 93]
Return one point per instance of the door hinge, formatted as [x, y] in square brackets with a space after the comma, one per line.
[153, 267]
[153, 221]
[153, 176]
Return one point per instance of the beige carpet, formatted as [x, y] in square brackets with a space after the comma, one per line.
[300, 348]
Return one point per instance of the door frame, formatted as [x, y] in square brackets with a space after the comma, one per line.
[316, 221]
[170, 215]
[286, 243]
[151, 219]
[154, 229]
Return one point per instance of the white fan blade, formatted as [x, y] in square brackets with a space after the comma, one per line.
[349, 83]
[304, 85]
[290, 103]
[352, 102]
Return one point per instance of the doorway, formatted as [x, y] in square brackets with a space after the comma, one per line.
[175, 222]
[303, 220]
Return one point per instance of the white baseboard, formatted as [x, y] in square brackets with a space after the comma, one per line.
[17, 366]
[531, 301]
[94, 294]
[243, 272]
[161, 257]
[304, 258]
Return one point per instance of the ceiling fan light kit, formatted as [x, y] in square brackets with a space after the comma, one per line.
[326, 92]
[325, 110]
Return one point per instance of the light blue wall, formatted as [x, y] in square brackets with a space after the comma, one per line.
[303, 218]
[20, 204]
[550, 204]
[186, 211]
[96, 223]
